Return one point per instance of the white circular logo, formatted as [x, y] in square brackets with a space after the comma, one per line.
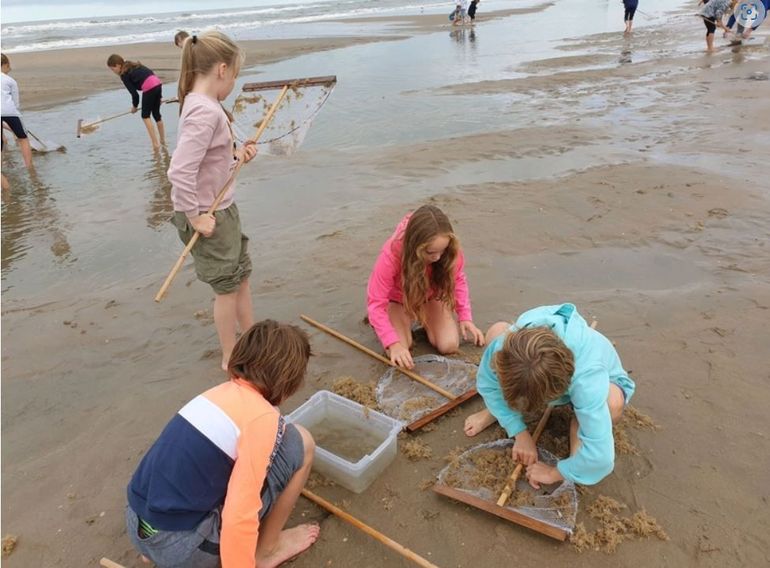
[750, 13]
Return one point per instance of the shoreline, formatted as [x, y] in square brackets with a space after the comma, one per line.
[54, 77]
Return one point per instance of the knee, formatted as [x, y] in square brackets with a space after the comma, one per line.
[496, 329]
[616, 402]
[447, 345]
[308, 445]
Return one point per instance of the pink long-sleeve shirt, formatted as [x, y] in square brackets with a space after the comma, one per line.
[203, 159]
[385, 286]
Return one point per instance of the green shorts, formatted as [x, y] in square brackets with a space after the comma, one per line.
[221, 260]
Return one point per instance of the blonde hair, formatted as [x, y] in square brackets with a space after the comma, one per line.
[200, 53]
[425, 224]
[534, 366]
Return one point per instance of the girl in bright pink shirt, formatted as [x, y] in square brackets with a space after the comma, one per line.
[419, 277]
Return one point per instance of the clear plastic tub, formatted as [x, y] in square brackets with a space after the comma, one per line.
[354, 444]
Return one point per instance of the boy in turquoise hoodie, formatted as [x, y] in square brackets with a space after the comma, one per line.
[551, 356]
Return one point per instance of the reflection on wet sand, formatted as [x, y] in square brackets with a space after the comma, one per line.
[159, 207]
[29, 210]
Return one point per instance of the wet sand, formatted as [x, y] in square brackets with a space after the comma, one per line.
[640, 198]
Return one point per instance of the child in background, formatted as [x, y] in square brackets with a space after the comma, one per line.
[419, 276]
[472, 9]
[136, 77]
[11, 113]
[461, 10]
[179, 38]
[203, 161]
[712, 14]
[630, 9]
[219, 483]
[550, 356]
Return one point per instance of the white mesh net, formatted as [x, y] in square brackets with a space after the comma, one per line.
[402, 398]
[483, 471]
[287, 129]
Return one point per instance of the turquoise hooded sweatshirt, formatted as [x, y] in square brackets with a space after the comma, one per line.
[596, 365]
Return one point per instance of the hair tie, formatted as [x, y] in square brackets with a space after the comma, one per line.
[195, 38]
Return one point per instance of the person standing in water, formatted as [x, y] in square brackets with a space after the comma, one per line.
[136, 77]
[11, 114]
[472, 10]
[630, 7]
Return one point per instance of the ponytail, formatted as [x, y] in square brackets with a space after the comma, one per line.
[200, 54]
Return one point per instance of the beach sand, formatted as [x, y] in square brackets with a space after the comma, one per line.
[654, 219]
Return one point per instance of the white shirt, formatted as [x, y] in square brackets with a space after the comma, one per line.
[463, 4]
[9, 100]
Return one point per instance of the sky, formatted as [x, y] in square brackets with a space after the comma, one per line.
[30, 10]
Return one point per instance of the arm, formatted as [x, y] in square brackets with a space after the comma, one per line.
[377, 291]
[240, 516]
[131, 89]
[195, 137]
[595, 459]
[489, 388]
[462, 293]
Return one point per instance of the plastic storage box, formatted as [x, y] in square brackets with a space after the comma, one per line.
[328, 411]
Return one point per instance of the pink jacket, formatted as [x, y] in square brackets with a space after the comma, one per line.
[385, 286]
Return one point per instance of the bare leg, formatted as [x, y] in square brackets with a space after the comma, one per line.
[615, 400]
[276, 545]
[161, 132]
[244, 309]
[6, 184]
[479, 421]
[402, 322]
[709, 43]
[26, 152]
[441, 327]
[225, 318]
[151, 132]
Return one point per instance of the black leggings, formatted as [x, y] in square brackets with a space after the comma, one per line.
[630, 11]
[16, 127]
[711, 27]
[151, 103]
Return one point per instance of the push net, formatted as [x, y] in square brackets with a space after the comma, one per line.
[484, 470]
[287, 128]
[402, 398]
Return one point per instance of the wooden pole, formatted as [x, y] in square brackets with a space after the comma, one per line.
[510, 486]
[389, 542]
[519, 467]
[411, 374]
[194, 239]
[107, 563]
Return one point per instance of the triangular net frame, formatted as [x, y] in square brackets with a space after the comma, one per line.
[402, 398]
[483, 470]
[293, 118]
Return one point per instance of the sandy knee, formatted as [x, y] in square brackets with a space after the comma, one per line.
[496, 329]
[616, 401]
[308, 443]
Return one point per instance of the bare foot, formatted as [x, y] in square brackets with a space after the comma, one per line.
[145, 560]
[478, 422]
[291, 542]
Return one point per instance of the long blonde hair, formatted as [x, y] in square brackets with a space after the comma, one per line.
[425, 224]
[200, 54]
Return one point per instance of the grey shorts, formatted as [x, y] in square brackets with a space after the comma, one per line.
[199, 548]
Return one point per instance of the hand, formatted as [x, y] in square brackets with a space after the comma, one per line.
[247, 152]
[539, 473]
[470, 331]
[204, 224]
[524, 449]
[400, 355]
[134, 109]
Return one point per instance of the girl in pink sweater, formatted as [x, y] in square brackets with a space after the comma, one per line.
[419, 276]
[203, 161]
